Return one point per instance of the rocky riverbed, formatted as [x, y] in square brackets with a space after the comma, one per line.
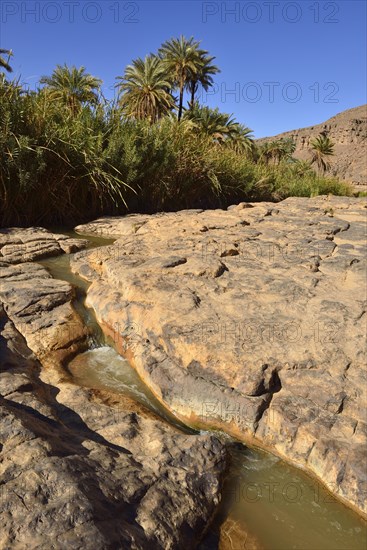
[251, 320]
[82, 468]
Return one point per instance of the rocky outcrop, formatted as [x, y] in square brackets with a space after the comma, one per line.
[252, 320]
[86, 468]
[348, 130]
[18, 245]
[38, 305]
[40, 308]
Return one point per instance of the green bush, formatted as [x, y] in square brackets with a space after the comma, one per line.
[52, 164]
[170, 166]
[285, 180]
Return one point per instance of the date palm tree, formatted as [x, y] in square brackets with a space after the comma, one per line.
[242, 140]
[302, 168]
[211, 121]
[144, 90]
[202, 76]
[4, 63]
[321, 148]
[181, 57]
[221, 127]
[277, 150]
[72, 86]
[266, 152]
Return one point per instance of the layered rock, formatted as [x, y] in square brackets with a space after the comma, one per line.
[348, 131]
[18, 245]
[40, 308]
[252, 320]
[85, 468]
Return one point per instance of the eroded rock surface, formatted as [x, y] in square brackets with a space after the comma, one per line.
[85, 468]
[251, 319]
[79, 473]
[40, 308]
[18, 245]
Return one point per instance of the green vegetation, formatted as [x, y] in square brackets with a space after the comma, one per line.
[273, 152]
[72, 87]
[68, 155]
[145, 90]
[322, 148]
[187, 66]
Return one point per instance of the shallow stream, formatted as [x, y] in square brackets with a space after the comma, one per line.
[279, 504]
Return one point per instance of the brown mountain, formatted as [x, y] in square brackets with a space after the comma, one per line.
[348, 130]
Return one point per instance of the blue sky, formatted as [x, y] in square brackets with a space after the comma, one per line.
[284, 64]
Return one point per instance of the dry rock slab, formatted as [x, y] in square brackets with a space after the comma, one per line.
[81, 468]
[252, 320]
[84, 469]
[19, 245]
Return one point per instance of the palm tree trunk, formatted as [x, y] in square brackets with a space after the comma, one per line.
[192, 102]
[180, 103]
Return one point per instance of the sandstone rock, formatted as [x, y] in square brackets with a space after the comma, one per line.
[81, 468]
[18, 245]
[271, 347]
[106, 226]
[78, 473]
[40, 307]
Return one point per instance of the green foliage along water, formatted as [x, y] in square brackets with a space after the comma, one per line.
[67, 155]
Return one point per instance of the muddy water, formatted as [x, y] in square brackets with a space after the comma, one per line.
[278, 504]
[284, 508]
[59, 267]
[103, 368]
